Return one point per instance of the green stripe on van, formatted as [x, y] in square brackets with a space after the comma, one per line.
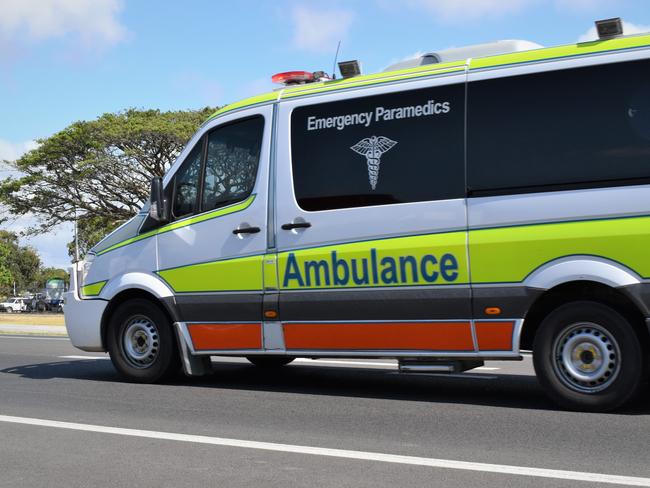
[510, 254]
[374, 79]
[498, 255]
[239, 274]
[93, 289]
[550, 53]
[184, 223]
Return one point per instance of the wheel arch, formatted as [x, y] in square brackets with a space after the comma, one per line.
[166, 304]
[615, 297]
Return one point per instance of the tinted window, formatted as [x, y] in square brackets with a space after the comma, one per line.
[233, 157]
[186, 183]
[385, 149]
[580, 127]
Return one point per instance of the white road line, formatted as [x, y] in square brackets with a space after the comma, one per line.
[83, 357]
[38, 338]
[339, 453]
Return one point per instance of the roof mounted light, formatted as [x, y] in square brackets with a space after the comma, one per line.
[321, 76]
[609, 28]
[350, 69]
[293, 77]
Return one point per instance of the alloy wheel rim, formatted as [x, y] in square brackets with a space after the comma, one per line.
[586, 357]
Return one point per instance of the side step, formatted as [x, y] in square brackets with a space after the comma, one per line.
[442, 366]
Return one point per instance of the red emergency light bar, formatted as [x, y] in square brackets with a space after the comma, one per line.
[293, 77]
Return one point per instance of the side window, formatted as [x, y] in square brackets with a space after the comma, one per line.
[385, 149]
[232, 161]
[573, 128]
[186, 183]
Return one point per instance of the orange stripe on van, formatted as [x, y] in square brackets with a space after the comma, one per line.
[494, 336]
[225, 336]
[416, 336]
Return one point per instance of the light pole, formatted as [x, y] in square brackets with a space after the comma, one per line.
[76, 238]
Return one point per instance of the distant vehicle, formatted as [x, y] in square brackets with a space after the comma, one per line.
[13, 305]
[472, 205]
[49, 299]
[54, 291]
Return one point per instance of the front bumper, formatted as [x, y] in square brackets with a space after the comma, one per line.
[83, 319]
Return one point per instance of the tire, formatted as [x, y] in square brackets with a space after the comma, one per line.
[270, 361]
[588, 357]
[141, 342]
[10, 310]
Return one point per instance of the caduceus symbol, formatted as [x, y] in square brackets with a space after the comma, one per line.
[372, 148]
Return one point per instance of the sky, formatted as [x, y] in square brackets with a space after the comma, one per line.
[68, 60]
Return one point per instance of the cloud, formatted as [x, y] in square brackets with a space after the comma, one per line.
[256, 87]
[204, 89]
[10, 151]
[628, 29]
[95, 22]
[51, 246]
[456, 10]
[318, 29]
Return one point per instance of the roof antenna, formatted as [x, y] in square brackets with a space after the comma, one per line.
[336, 57]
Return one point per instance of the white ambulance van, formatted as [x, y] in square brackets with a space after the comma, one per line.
[447, 213]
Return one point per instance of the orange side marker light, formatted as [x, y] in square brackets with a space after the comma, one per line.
[492, 311]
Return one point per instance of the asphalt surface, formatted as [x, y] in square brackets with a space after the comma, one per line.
[497, 416]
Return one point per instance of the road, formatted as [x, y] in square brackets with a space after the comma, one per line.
[66, 419]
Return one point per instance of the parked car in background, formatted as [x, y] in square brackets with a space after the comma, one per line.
[13, 305]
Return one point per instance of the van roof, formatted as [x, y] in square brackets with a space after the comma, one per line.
[488, 62]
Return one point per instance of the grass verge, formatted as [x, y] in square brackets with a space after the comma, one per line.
[32, 318]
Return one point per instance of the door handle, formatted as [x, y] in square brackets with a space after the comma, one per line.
[296, 225]
[246, 230]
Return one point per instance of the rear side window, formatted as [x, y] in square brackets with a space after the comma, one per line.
[186, 183]
[385, 149]
[573, 128]
[232, 160]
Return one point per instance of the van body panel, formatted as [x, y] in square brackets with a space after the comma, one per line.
[109, 269]
[379, 237]
[215, 273]
[570, 192]
[392, 263]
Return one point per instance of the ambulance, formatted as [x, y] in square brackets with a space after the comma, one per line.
[467, 205]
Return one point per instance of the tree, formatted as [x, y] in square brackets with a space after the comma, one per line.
[91, 230]
[6, 278]
[97, 171]
[19, 264]
[46, 274]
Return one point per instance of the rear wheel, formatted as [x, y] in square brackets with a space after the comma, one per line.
[270, 361]
[10, 310]
[141, 342]
[587, 356]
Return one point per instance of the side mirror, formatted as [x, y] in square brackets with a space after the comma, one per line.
[158, 207]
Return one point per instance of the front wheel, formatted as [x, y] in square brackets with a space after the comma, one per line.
[588, 357]
[270, 361]
[141, 342]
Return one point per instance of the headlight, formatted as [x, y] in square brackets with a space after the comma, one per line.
[84, 268]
